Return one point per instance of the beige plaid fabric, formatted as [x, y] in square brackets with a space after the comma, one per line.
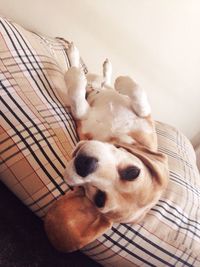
[37, 132]
[37, 135]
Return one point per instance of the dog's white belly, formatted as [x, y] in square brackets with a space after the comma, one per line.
[111, 115]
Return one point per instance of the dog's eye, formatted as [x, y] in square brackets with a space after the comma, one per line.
[100, 199]
[130, 173]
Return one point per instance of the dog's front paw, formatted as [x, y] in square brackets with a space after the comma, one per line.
[73, 55]
[76, 83]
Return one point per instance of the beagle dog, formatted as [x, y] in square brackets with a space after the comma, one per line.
[116, 171]
[116, 161]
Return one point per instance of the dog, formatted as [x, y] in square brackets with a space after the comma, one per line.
[117, 161]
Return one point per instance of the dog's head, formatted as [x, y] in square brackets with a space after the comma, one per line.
[122, 181]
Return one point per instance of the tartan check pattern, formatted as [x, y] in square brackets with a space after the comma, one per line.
[37, 135]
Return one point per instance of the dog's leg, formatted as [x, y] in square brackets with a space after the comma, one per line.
[140, 104]
[73, 55]
[107, 72]
[76, 83]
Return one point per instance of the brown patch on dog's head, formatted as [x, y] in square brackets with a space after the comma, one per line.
[156, 162]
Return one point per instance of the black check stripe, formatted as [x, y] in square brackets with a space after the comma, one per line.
[117, 240]
[46, 130]
[134, 255]
[31, 134]
[188, 227]
[173, 211]
[142, 249]
[180, 180]
[32, 152]
[21, 149]
[175, 156]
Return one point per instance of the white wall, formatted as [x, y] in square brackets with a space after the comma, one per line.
[155, 41]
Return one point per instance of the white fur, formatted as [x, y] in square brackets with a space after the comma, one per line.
[109, 158]
[112, 112]
[125, 85]
[73, 54]
[111, 115]
[76, 84]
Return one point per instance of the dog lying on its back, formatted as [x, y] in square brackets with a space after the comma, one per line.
[116, 161]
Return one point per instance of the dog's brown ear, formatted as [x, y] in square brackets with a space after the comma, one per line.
[74, 221]
[156, 162]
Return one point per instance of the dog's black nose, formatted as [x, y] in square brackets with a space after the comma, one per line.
[85, 165]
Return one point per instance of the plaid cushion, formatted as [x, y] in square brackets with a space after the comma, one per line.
[38, 133]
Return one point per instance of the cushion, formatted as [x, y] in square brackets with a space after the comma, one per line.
[37, 132]
[37, 136]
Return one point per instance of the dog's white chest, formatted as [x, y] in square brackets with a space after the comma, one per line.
[111, 115]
